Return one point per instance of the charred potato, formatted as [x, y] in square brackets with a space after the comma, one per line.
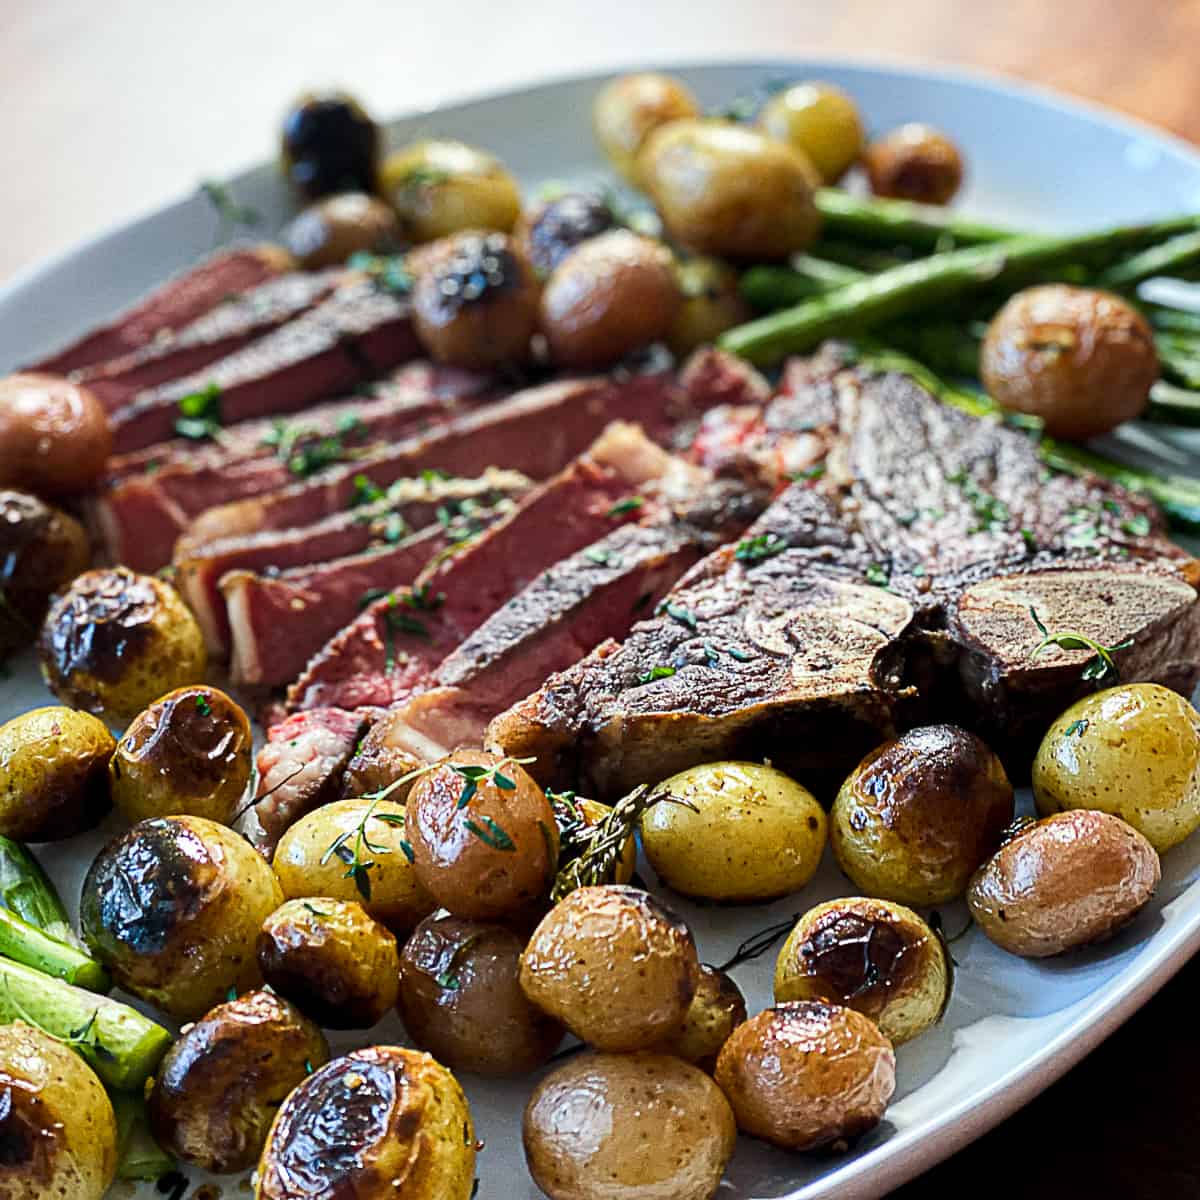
[627, 110]
[41, 549]
[334, 962]
[1080, 359]
[483, 836]
[820, 121]
[53, 774]
[114, 641]
[173, 907]
[616, 967]
[330, 231]
[442, 187]
[712, 303]
[1133, 751]
[461, 998]
[381, 760]
[729, 190]
[307, 865]
[918, 815]
[549, 232]
[220, 1085]
[1064, 882]
[874, 956]
[734, 831]
[615, 294]
[188, 754]
[805, 1074]
[385, 1122]
[716, 1010]
[581, 823]
[57, 1128]
[330, 144]
[914, 162]
[628, 1127]
[475, 301]
[54, 435]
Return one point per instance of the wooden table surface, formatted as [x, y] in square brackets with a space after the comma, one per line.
[111, 108]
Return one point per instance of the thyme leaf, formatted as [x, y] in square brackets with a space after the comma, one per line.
[1101, 667]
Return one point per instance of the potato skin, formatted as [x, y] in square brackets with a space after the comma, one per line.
[914, 162]
[54, 435]
[741, 832]
[614, 294]
[220, 1085]
[333, 961]
[1064, 882]
[628, 109]
[549, 231]
[1081, 359]
[114, 641]
[53, 774]
[806, 1074]
[628, 1127]
[873, 956]
[712, 303]
[379, 761]
[57, 1125]
[716, 1010]
[820, 121]
[919, 814]
[327, 233]
[461, 998]
[463, 870]
[615, 966]
[188, 754]
[173, 907]
[729, 190]
[385, 1122]
[397, 899]
[1133, 751]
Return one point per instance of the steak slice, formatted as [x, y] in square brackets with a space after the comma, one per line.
[234, 322]
[280, 619]
[355, 335]
[411, 504]
[176, 304]
[140, 517]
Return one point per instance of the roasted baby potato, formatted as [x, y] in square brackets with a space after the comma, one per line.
[734, 831]
[53, 774]
[712, 303]
[820, 121]
[483, 836]
[918, 815]
[1133, 751]
[1080, 359]
[914, 162]
[220, 1085]
[874, 956]
[188, 754]
[461, 998]
[311, 860]
[614, 294]
[627, 110]
[615, 966]
[729, 190]
[716, 1010]
[806, 1074]
[330, 144]
[442, 187]
[475, 301]
[114, 641]
[581, 822]
[57, 1128]
[54, 435]
[380, 760]
[628, 1127]
[1066, 881]
[387, 1123]
[327, 233]
[173, 907]
[547, 233]
[41, 550]
[334, 962]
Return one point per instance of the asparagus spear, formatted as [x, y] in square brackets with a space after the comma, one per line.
[26, 890]
[893, 294]
[898, 222]
[121, 1046]
[142, 1158]
[25, 943]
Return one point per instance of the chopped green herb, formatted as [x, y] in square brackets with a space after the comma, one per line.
[630, 504]
[370, 596]
[655, 673]
[203, 706]
[680, 613]
[200, 414]
[758, 549]
[386, 271]
[811, 473]
[1029, 539]
[603, 558]
[365, 492]
[1100, 668]
[877, 574]
[1076, 728]
[1137, 525]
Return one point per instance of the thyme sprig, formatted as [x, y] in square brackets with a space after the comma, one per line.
[1100, 668]
[354, 853]
[757, 944]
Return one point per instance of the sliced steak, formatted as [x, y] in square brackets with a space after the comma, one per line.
[176, 304]
[228, 327]
[355, 335]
